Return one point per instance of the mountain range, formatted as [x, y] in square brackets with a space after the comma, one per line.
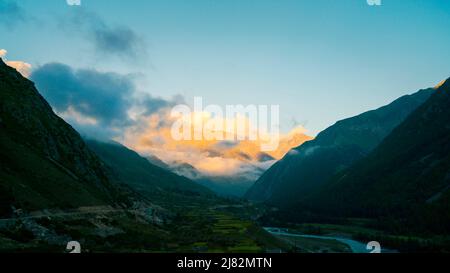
[137, 172]
[56, 187]
[306, 168]
[406, 177]
[46, 163]
[233, 185]
[390, 165]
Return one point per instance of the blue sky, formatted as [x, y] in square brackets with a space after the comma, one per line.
[320, 60]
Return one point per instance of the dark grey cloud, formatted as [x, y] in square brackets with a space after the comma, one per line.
[105, 97]
[152, 104]
[107, 39]
[11, 13]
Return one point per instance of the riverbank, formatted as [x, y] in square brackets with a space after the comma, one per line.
[322, 243]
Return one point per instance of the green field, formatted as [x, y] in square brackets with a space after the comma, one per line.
[189, 230]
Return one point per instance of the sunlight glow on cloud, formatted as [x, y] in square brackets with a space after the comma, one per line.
[21, 67]
[109, 106]
[152, 135]
[440, 84]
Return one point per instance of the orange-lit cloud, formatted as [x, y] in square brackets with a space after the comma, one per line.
[153, 136]
[108, 105]
[22, 67]
[440, 84]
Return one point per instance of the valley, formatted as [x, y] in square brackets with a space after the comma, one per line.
[380, 176]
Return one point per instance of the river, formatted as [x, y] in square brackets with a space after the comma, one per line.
[355, 246]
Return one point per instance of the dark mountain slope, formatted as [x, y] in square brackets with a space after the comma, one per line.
[44, 161]
[46, 166]
[408, 175]
[307, 167]
[142, 176]
[157, 162]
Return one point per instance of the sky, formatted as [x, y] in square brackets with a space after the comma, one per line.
[320, 60]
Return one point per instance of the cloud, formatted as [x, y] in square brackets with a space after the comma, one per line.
[107, 39]
[22, 67]
[89, 93]
[11, 13]
[99, 104]
[293, 152]
[152, 135]
[108, 106]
